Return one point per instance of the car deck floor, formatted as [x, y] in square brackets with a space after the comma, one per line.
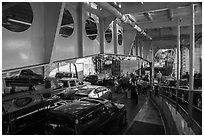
[142, 117]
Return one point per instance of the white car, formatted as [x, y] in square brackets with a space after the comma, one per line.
[70, 86]
[93, 91]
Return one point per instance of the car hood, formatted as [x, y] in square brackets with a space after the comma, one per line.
[83, 91]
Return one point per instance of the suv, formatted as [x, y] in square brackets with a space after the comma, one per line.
[85, 116]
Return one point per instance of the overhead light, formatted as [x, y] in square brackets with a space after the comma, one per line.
[18, 21]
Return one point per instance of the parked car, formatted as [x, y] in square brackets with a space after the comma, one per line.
[65, 75]
[93, 91]
[70, 86]
[24, 112]
[24, 78]
[93, 79]
[85, 116]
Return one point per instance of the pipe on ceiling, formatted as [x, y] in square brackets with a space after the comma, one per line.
[124, 18]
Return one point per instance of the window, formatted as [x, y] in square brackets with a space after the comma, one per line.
[65, 83]
[108, 35]
[91, 28]
[120, 37]
[67, 25]
[16, 16]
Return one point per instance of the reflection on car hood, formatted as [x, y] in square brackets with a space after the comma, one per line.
[84, 91]
[74, 108]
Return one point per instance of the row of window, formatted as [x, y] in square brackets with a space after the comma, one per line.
[18, 17]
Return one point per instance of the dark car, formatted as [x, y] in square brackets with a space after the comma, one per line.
[24, 78]
[85, 116]
[65, 75]
[93, 79]
[93, 91]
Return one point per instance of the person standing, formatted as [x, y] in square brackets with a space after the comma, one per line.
[159, 76]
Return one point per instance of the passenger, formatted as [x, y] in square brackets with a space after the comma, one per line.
[159, 76]
[145, 85]
[13, 90]
[134, 95]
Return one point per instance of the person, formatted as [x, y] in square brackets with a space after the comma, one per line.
[13, 90]
[134, 95]
[159, 76]
[145, 84]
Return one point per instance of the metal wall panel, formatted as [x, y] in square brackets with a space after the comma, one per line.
[120, 48]
[66, 47]
[90, 47]
[21, 49]
[109, 47]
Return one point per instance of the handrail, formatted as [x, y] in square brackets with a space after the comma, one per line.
[189, 102]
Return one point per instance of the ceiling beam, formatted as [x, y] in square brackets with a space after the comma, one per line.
[185, 21]
[88, 7]
[148, 16]
[170, 14]
[131, 7]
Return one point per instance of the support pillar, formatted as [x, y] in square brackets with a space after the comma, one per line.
[115, 37]
[192, 48]
[178, 60]
[191, 63]
[79, 30]
[178, 53]
[101, 34]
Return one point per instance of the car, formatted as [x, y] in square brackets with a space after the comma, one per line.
[93, 79]
[85, 116]
[70, 86]
[24, 112]
[65, 74]
[24, 78]
[93, 91]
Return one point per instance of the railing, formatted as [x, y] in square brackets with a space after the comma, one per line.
[188, 103]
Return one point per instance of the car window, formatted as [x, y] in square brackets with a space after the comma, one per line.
[98, 90]
[65, 83]
[104, 90]
[72, 83]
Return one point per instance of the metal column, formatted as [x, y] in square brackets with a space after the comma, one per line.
[178, 60]
[79, 30]
[101, 34]
[115, 37]
[192, 48]
[191, 63]
[178, 53]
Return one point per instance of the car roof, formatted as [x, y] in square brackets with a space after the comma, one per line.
[92, 86]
